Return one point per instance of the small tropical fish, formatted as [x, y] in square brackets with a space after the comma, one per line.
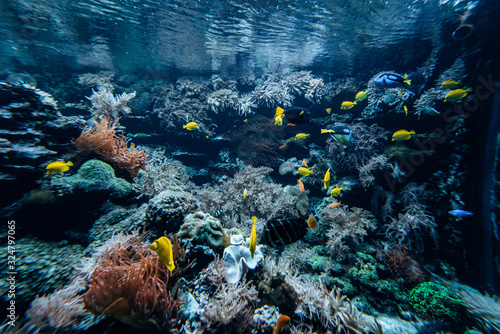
[429, 110]
[281, 232]
[245, 120]
[301, 136]
[290, 124]
[341, 134]
[347, 105]
[327, 178]
[391, 80]
[457, 94]
[328, 111]
[132, 145]
[334, 205]
[283, 321]
[244, 193]
[282, 147]
[304, 171]
[253, 237]
[451, 84]
[361, 95]
[278, 120]
[402, 135]
[191, 126]
[58, 167]
[406, 110]
[301, 186]
[163, 247]
[336, 192]
[460, 213]
[304, 163]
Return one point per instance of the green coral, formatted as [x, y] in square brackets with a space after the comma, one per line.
[435, 302]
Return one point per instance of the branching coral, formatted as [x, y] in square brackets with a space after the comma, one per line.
[160, 173]
[376, 163]
[103, 140]
[347, 228]
[222, 99]
[101, 80]
[265, 199]
[131, 284]
[106, 105]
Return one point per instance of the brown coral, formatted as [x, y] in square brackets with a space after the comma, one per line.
[103, 140]
[131, 284]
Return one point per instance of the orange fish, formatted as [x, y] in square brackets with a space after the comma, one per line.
[282, 147]
[334, 205]
[304, 163]
[290, 124]
[282, 322]
[301, 185]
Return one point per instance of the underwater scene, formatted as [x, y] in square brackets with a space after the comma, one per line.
[262, 166]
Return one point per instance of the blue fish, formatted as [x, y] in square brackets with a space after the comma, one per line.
[460, 213]
[390, 80]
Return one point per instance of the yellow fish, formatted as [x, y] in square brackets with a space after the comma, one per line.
[278, 120]
[328, 111]
[245, 193]
[457, 94]
[279, 111]
[58, 167]
[323, 131]
[336, 192]
[304, 171]
[191, 126]
[253, 237]
[327, 178]
[301, 136]
[402, 135]
[406, 110]
[451, 84]
[347, 105]
[361, 95]
[163, 247]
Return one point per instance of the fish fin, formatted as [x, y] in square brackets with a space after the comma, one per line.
[323, 131]
[184, 126]
[69, 163]
[279, 111]
[354, 102]
[408, 82]
[469, 89]
[412, 132]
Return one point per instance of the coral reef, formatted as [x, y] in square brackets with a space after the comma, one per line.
[93, 177]
[106, 105]
[166, 211]
[131, 284]
[160, 173]
[103, 140]
[202, 229]
[347, 228]
[41, 267]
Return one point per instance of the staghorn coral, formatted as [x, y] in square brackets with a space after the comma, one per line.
[131, 284]
[160, 173]
[106, 105]
[347, 228]
[103, 140]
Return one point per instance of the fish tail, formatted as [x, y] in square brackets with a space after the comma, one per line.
[469, 89]
[184, 126]
[69, 163]
[354, 102]
[408, 82]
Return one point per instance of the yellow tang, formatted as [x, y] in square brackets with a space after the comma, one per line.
[191, 126]
[58, 167]
[304, 171]
[336, 192]
[347, 105]
[402, 135]
[300, 136]
[163, 247]
[327, 178]
[361, 95]
[253, 237]
[451, 84]
[328, 111]
[457, 94]
[244, 193]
